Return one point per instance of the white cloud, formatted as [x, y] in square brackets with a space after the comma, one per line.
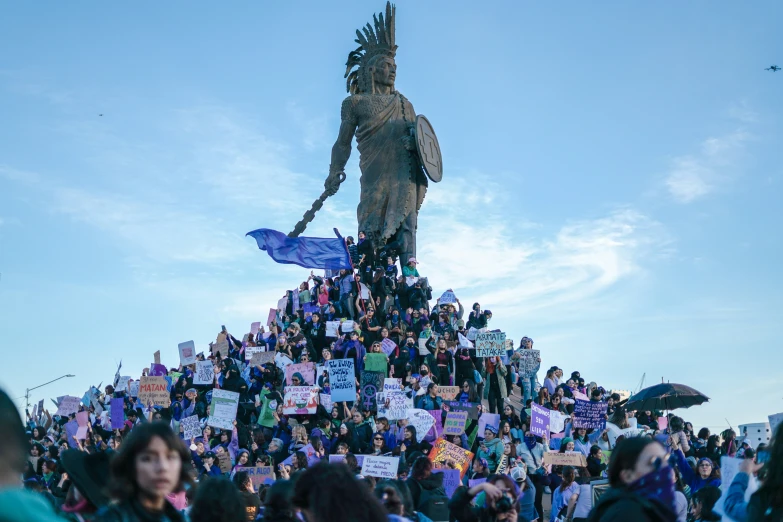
[694, 176]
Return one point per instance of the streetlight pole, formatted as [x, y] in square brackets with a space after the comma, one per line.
[27, 392]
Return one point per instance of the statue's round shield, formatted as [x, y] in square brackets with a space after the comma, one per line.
[429, 149]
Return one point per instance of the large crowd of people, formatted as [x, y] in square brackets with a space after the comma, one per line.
[655, 466]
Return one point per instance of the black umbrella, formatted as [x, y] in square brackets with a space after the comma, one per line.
[665, 396]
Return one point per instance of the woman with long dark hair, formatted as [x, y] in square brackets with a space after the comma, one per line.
[152, 463]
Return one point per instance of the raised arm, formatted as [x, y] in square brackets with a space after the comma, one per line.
[341, 150]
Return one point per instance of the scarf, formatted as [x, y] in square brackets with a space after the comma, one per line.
[657, 486]
[530, 442]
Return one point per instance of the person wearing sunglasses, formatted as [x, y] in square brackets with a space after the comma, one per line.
[378, 445]
[641, 486]
[705, 475]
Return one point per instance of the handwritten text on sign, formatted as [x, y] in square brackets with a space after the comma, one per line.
[154, 390]
[384, 467]
[444, 452]
[490, 344]
[590, 415]
[342, 380]
[259, 475]
[455, 423]
[565, 459]
[539, 421]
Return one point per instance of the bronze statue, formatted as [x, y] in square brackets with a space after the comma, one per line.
[396, 148]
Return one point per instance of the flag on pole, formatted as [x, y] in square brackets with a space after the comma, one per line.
[307, 252]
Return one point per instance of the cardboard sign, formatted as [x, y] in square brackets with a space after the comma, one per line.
[490, 344]
[488, 419]
[191, 427]
[388, 346]
[443, 452]
[224, 461]
[376, 362]
[262, 358]
[539, 421]
[187, 353]
[117, 414]
[451, 480]
[572, 458]
[422, 421]
[154, 390]
[448, 297]
[205, 373]
[371, 384]
[68, 405]
[300, 400]
[528, 362]
[455, 423]
[306, 370]
[156, 357]
[332, 328]
[220, 347]
[395, 405]
[383, 467]
[448, 393]
[471, 407]
[342, 380]
[259, 475]
[589, 415]
[223, 409]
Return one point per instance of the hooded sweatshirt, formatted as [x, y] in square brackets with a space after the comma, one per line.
[493, 454]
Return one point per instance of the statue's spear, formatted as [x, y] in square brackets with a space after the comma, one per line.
[331, 188]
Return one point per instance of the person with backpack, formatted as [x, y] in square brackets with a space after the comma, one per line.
[497, 499]
[427, 491]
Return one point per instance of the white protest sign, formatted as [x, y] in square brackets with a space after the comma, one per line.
[383, 467]
[68, 405]
[205, 373]
[464, 342]
[448, 297]
[394, 405]
[187, 353]
[191, 427]
[528, 362]
[223, 410]
[422, 421]
[411, 280]
[615, 432]
[250, 351]
[729, 467]
[282, 360]
[122, 383]
[423, 350]
[472, 333]
[300, 400]
[490, 344]
[133, 388]
[332, 328]
[391, 384]
[556, 421]
[347, 326]
[326, 401]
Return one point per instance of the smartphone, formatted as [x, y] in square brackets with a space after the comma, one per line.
[762, 457]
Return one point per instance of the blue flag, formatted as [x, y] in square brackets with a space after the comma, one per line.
[307, 252]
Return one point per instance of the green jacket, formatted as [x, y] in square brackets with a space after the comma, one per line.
[493, 454]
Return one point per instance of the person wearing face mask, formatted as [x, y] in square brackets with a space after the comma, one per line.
[641, 486]
[401, 363]
[396, 326]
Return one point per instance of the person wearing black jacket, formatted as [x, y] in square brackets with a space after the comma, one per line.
[315, 331]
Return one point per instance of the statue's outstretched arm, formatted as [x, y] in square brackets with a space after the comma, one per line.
[341, 151]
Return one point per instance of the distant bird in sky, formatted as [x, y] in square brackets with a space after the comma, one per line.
[773, 68]
[100, 115]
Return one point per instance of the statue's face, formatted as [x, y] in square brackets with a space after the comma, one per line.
[385, 71]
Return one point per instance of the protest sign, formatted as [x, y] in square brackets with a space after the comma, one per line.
[455, 423]
[391, 384]
[388, 346]
[341, 458]
[447, 393]
[663, 423]
[223, 409]
[422, 421]
[250, 351]
[259, 475]
[448, 297]
[423, 350]
[266, 416]
[395, 406]
[488, 419]
[472, 333]
[295, 299]
[571, 458]
[443, 452]
[255, 327]
[224, 462]
[262, 358]
[614, 433]
[68, 405]
[589, 415]
[158, 370]
[122, 383]
[376, 362]
[271, 318]
[342, 380]
[187, 353]
[332, 328]
[539, 421]
[556, 421]
[464, 342]
[451, 480]
[220, 347]
[371, 383]
[383, 467]
[300, 400]
[309, 451]
[133, 388]
[471, 407]
[490, 344]
[71, 427]
[411, 280]
[156, 357]
[117, 414]
[347, 326]
[191, 427]
[282, 360]
[326, 401]
[476, 482]
[205, 373]
[437, 427]
[154, 390]
[528, 362]
[306, 370]
[310, 308]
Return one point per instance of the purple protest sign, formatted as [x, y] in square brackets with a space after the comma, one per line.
[388, 346]
[539, 421]
[476, 482]
[71, 427]
[158, 370]
[437, 428]
[117, 414]
[588, 414]
[451, 480]
[310, 308]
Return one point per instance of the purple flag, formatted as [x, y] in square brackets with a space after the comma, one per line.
[307, 252]
[158, 370]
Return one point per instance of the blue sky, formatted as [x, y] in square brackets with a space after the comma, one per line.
[612, 179]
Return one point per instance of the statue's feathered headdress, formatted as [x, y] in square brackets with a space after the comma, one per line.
[375, 41]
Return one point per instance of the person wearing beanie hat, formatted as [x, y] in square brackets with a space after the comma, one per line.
[491, 448]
